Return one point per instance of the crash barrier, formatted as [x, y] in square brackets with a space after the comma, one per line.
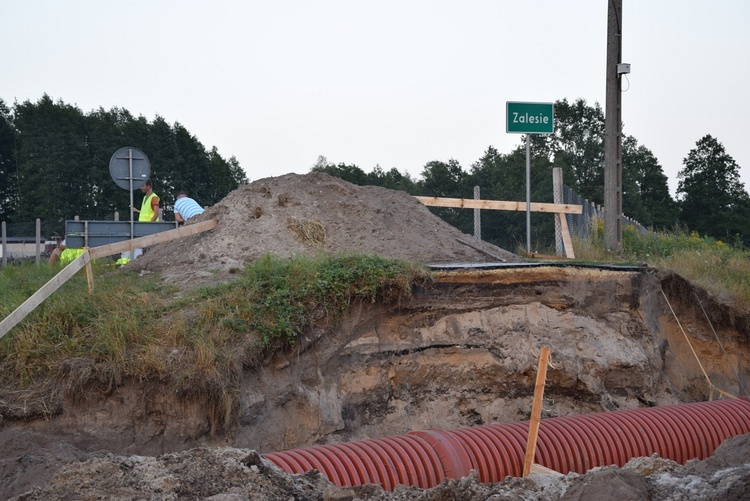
[565, 444]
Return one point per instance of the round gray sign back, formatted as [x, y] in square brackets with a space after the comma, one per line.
[119, 167]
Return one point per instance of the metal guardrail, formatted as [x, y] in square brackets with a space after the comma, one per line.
[80, 234]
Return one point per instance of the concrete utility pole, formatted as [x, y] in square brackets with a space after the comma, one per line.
[613, 130]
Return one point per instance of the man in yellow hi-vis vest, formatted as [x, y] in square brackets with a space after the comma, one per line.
[149, 211]
[63, 254]
[150, 206]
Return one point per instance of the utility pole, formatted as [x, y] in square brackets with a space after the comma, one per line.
[613, 130]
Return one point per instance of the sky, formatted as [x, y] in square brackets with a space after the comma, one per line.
[397, 84]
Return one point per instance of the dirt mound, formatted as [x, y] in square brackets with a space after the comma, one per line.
[306, 214]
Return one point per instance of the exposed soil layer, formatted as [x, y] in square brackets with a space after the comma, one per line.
[460, 352]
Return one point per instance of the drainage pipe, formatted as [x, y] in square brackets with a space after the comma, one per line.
[565, 444]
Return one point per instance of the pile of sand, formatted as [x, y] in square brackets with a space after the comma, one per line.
[306, 214]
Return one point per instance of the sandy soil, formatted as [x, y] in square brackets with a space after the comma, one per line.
[602, 323]
[307, 214]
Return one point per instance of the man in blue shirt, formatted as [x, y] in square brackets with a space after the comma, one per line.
[185, 208]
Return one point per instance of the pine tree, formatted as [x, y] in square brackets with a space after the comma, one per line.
[713, 199]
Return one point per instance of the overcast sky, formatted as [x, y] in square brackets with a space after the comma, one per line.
[389, 83]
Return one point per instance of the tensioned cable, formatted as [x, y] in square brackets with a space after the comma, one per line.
[729, 362]
[708, 379]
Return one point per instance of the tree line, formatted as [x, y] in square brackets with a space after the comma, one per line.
[54, 163]
[711, 199]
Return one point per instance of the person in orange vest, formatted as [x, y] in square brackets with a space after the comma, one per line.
[150, 206]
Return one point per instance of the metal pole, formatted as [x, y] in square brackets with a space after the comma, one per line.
[37, 257]
[528, 194]
[132, 213]
[5, 244]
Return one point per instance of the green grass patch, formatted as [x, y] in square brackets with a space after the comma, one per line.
[199, 343]
[720, 268]
[280, 299]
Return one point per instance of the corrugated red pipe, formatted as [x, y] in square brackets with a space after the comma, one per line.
[565, 444]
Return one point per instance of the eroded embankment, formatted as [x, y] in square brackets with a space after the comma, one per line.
[459, 353]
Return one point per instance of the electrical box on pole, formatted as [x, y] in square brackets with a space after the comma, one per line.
[613, 130]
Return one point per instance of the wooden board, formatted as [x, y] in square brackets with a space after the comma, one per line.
[536, 410]
[567, 241]
[470, 203]
[537, 468]
[43, 293]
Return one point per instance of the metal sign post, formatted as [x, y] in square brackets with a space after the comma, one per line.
[529, 118]
[130, 169]
[132, 212]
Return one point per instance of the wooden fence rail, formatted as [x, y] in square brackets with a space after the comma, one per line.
[558, 209]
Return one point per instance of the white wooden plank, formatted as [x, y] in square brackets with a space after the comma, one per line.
[470, 203]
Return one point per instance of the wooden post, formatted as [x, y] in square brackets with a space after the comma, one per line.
[536, 410]
[89, 272]
[477, 216]
[38, 250]
[613, 131]
[5, 244]
[565, 233]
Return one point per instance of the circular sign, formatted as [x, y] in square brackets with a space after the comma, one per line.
[123, 161]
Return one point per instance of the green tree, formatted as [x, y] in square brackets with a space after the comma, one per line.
[224, 176]
[645, 195]
[54, 175]
[499, 176]
[577, 146]
[449, 180]
[7, 163]
[713, 200]
[350, 173]
[62, 158]
[503, 177]
[103, 137]
[393, 180]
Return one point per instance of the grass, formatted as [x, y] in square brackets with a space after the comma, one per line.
[720, 268]
[199, 343]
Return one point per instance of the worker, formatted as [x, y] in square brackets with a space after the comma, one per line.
[149, 210]
[185, 208]
[63, 254]
[122, 260]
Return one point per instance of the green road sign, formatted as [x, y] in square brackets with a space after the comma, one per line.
[530, 118]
